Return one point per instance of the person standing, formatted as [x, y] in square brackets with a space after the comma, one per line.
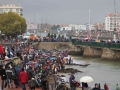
[72, 82]
[30, 73]
[97, 87]
[44, 81]
[104, 86]
[23, 77]
[117, 87]
[51, 79]
[4, 78]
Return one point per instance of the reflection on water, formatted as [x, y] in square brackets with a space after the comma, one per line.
[100, 70]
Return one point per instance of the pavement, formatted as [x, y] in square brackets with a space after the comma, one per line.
[14, 88]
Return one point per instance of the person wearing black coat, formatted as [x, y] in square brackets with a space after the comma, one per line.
[44, 81]
[4, 78]
[72, 82]
[30, 73]
[96, 87]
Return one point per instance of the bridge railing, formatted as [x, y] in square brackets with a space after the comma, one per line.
[97, 44]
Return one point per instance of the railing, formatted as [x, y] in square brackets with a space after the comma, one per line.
[97, 44]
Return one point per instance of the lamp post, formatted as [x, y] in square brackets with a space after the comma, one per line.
[115, 29]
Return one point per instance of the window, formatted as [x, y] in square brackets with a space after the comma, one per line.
[17, 10]
[1, 10]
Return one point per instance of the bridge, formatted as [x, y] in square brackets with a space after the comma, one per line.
[99, 49]
[115, 46]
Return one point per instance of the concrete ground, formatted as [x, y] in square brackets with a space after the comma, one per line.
[14, 88]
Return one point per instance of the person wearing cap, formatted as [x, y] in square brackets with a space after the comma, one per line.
[72, 82]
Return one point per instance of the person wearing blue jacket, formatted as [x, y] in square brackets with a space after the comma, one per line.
[11, 53]
[72, 82]
[18, 69]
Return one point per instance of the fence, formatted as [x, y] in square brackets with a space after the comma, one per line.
[97, 44]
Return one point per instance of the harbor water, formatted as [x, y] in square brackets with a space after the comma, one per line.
[102, 71]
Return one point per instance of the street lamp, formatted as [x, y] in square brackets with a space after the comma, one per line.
[115, 29]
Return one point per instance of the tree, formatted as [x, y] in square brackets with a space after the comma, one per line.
[55, 27]
[11, 24]
[62, 36]
[51, 35]
[54, 35]
[48, 35]
[59, 36]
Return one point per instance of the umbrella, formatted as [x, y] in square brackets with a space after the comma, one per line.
[28, 63]
[36, 65]
[52, 58]
[86, 79]
[19, 51]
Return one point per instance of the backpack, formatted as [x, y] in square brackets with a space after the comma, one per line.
[9, 74]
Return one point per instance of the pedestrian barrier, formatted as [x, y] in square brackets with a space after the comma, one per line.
[98, 44]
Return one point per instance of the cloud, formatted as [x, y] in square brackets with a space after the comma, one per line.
[65, 11]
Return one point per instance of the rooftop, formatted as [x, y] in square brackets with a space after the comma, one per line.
[10, 6]
[113, 14]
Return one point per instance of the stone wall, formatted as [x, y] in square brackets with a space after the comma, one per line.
[92, 52]
[110, 54]
[79, 50]
[60, 46]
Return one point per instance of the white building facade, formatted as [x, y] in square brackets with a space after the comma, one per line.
[112, 22]
[82, 27]
[11, 8]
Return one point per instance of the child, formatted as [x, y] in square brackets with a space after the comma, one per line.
[32, 84]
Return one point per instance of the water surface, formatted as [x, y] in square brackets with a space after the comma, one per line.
[102, 71]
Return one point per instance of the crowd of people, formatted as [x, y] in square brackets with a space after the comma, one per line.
[37, 65]
[38, 68]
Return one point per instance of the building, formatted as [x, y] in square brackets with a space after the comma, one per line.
[11, 8]
[99, 26]
[112, 21]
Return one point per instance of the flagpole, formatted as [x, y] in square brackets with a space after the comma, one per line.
[89, 24]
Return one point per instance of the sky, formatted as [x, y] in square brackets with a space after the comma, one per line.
[65, 11]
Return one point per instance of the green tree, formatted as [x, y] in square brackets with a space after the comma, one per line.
[48, 35]
[11, 24]
[51, 35]
[62, 36]
[55, 27]
[58, 26]
[54, 35]
[59, 36]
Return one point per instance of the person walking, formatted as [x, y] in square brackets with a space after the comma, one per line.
[23, 77]
[72, 82]
[4, 78]
[105, 86]
[117, 87]
[51, 79]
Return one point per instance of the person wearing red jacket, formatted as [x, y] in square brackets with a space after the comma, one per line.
[23, 77]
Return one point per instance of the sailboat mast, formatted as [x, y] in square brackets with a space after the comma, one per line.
[89, 24]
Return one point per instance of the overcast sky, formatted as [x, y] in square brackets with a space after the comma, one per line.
[65, 11]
